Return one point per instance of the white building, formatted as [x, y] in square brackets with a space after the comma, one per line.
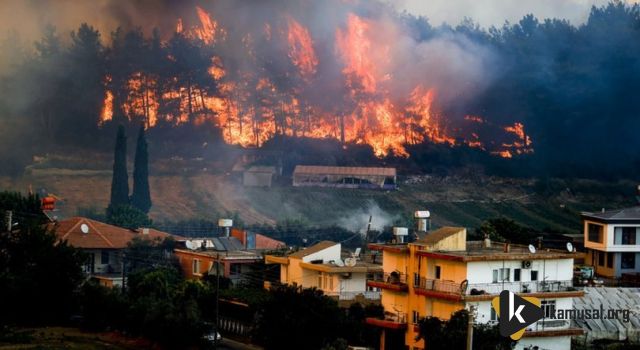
[612, 241]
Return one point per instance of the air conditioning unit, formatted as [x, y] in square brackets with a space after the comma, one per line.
[526, 264]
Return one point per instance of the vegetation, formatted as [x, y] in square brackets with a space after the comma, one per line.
[38, 275]
[127, 216]
[297, 318]
[141, 196]
[553, 76]
[452, 334]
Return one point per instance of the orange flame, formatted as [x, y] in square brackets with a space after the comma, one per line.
[252, 109]
[301, 48]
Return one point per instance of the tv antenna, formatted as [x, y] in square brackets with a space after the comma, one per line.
[84, 228]
[532, 249]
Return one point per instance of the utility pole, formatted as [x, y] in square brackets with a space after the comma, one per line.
[472, 312]
[124, 267]
[9, 220]
[215, 335]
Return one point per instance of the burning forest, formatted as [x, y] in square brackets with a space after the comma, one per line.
[357, 74]
[284, 77]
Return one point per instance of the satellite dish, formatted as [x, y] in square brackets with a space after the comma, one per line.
[339, 262]
[532, 249]
[351, 262]
[190, 245]
[84, 228]
[570, 247]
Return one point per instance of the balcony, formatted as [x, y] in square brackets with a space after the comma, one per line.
[391, 320]
[438, 288]
[533, 287]
[368, 295]
[392, 281]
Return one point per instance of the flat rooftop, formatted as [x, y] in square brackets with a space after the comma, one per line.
[476, 251]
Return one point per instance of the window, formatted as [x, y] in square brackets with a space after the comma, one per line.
[600, 258]
[534, 275]
[196, 266]
[319, 280]
[609, 260]
[516, 275]
[104, 257]
[595, 233]
[628, 261]
[549, 308]
[416, 317]
[624, 236]
[501, 275]
[494, 316]
[438, 272]
[234, 269]
[416, 279]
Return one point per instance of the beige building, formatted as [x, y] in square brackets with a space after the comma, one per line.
[322, 266]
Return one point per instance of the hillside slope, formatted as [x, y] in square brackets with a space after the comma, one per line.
[550, 205]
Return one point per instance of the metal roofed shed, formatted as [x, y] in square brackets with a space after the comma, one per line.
[259, 176]
[610, 298]
[345, 177]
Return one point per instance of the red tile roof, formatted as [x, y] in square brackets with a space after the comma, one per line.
[100, 235]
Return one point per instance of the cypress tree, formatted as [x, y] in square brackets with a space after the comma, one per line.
[141, 197]
[120, 180]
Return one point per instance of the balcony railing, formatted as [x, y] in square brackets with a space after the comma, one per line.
[520, 287]
[369, 295]
[549, 325]
[391, 278]
[438, 285]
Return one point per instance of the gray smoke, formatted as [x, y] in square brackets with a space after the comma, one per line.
[358, 220]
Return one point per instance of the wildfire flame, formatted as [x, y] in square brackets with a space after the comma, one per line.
[250, 108]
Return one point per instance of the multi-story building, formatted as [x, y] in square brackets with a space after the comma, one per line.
[322, 266]
[612, 241]
[103, 244]
[442, 273]
[238, 257]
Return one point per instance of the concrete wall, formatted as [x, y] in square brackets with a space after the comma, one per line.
[329, 254]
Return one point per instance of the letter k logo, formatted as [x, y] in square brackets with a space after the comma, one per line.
[521, 313]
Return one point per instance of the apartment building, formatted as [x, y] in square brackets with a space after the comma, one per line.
[325, 267]
[612, 241]
[442, 273]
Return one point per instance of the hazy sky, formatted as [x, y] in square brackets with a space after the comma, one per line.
[495, 12]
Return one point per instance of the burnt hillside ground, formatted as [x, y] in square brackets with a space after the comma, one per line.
[180, 194]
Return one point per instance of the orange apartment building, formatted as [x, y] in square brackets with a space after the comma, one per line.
[442, 273]
[238, 255]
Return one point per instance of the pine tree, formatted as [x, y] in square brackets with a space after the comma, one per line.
[141, 197]
[120, 181]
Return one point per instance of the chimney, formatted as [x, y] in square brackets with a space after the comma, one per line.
[423, 220]
[226, 224]
[400, 233]
[487, 241]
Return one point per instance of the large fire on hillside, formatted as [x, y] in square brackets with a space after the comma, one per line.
[302, 94]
